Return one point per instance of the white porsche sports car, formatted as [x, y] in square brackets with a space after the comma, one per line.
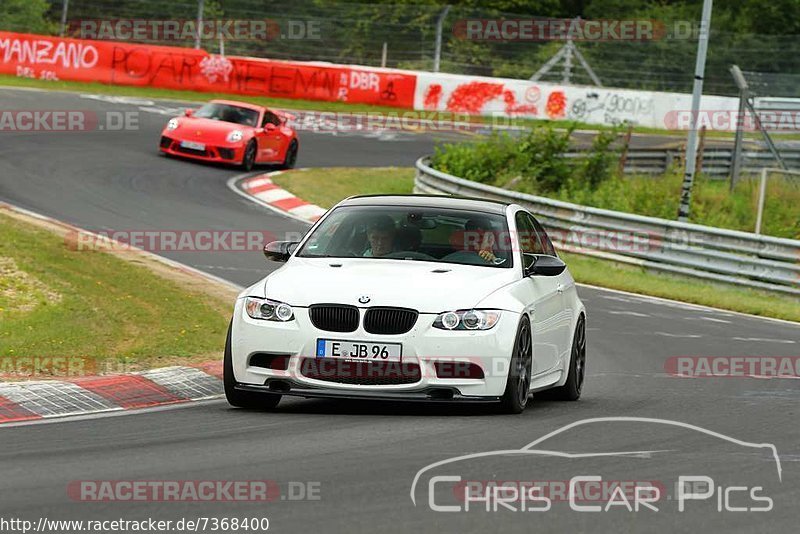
[425, 298]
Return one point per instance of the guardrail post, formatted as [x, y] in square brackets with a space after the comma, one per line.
[437, 55]
[700, 148]
[64, 10]
[200, 5]
[762, 193]
[623, 158]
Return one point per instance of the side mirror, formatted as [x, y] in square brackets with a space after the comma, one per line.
[269, 127]
[188, 112]
[279, 250]
[544, 265]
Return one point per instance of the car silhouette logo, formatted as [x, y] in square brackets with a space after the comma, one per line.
[363, 299]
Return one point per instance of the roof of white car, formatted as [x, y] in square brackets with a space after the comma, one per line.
[428, 201]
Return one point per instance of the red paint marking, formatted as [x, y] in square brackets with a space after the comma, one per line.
[261, 188]
[556, 105]
[211, 368]
[11, 411]
[471, 97]
[129, 391]
[432, 96]
[289, 203]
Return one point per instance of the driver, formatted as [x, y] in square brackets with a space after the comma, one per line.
[381, 232]
[485, 238]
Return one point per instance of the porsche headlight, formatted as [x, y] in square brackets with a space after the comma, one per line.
[467, 320]
[235, 136]
[173, 124]
[268, 310]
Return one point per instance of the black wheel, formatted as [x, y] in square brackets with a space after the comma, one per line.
[291, 155]
[249, 158]
[571, 390]
[243, 399]
[518, 384]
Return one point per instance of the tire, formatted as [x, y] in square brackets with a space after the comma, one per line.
[243, 399]
[571, 390]
[518, 384]
[249, 157]
[291, 155]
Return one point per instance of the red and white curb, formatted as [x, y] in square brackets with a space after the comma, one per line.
[266, 192]
[28, 401]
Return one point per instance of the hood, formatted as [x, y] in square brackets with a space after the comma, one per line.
[424, 286]
[209, 129]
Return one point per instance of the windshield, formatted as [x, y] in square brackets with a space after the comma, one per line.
[228, 113]
[411, 233]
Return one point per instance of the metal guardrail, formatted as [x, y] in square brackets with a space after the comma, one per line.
[730, 256]
[716, 161]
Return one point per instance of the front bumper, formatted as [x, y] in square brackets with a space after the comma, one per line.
[230, 154]
[423, 346]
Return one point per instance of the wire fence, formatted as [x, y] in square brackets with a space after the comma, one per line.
[358, 33]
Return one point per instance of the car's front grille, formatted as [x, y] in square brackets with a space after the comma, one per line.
[334, 317]
[361, 373]
[165, 141]
[389, 320]
[225, 153]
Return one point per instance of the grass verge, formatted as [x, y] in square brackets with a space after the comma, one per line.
[109, 312]
[325, 187]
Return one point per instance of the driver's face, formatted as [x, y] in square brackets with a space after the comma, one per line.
[381, 242]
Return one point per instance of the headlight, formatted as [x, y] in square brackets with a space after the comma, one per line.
[268, 310]
[467, 320]
[172, 124]
[235, 136]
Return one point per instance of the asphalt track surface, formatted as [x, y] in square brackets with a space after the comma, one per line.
[363, 455]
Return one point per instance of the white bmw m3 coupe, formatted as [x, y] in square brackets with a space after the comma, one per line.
[411, 298]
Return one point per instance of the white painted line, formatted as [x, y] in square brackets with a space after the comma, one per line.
[631, 313]
[274, 195]
[687, 336]
[765, 340]
[231, 183]
[250, 184]
[308, 211]
[712, 319]
[118, 412]
[670, 302]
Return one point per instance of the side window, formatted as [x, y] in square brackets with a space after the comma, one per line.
[270, 118]
[547, 245]
[526, 237]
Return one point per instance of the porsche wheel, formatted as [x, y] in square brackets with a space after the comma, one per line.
[243, 399]
[291, 155]
[518, 384]
[249, 158]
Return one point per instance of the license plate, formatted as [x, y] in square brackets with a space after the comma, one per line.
[359, 350]
[192, 145]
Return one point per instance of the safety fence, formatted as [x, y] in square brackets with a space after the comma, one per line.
[706, 252]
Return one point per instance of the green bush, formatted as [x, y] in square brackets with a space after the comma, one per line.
[535, 163]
